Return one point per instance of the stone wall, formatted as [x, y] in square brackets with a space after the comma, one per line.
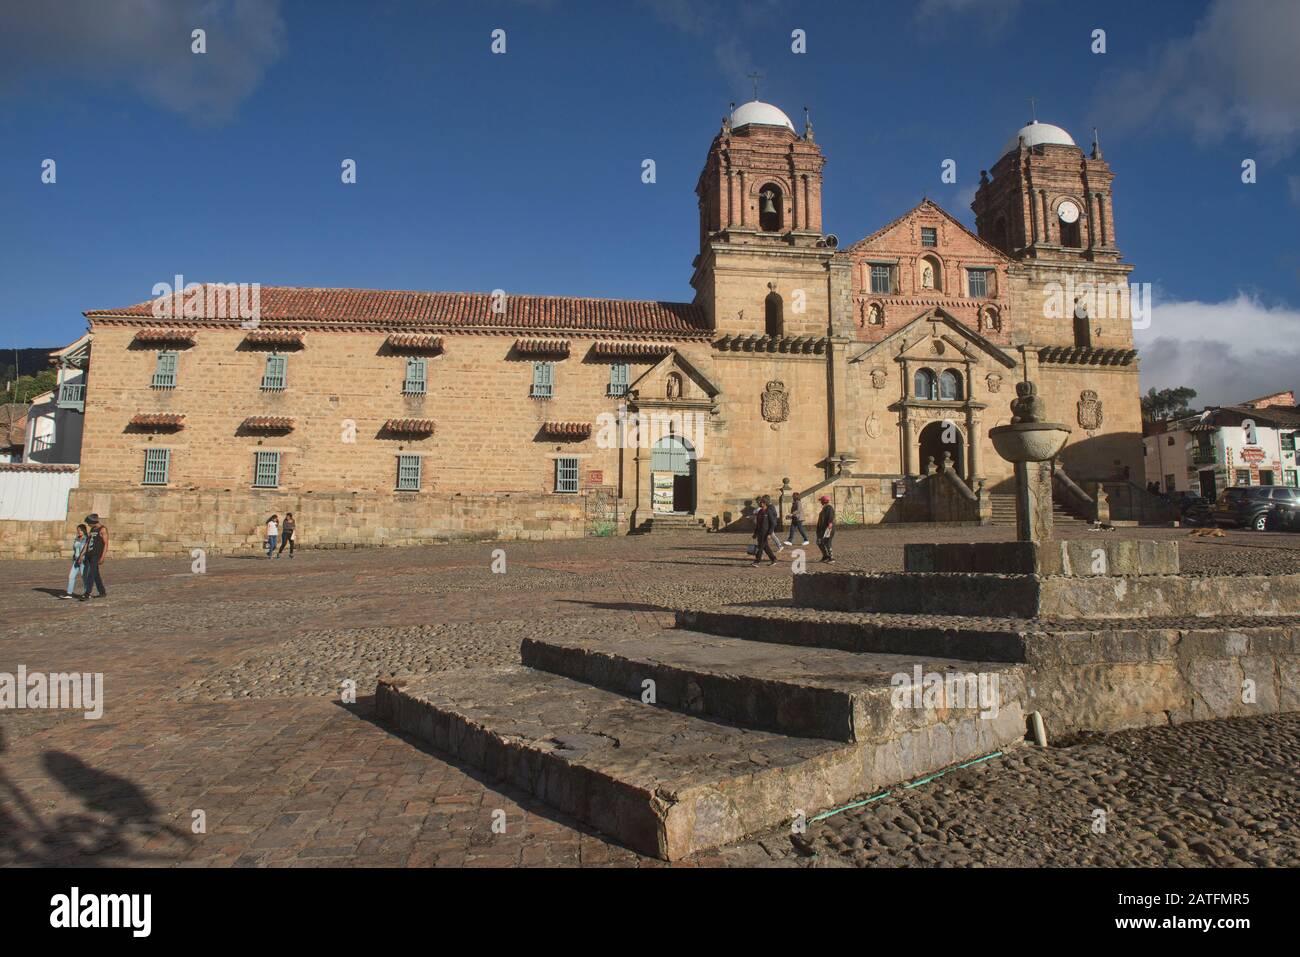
[171, 522]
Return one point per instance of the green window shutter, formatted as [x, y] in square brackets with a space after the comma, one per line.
[566, 474]
[543, 380]
[416, 377]
[156, 462]
[266, 469]
[408, 473]
[274, 378]
[164, 376]
[620, 375]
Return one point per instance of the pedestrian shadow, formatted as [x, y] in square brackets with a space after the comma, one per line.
[617, 605]
[117, 821]
[52, 592]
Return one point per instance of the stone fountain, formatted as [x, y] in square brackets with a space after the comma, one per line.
[1030, 443]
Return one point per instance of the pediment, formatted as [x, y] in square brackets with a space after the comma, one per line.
[936, 334]
[673, 380]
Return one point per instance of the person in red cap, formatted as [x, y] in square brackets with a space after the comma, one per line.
[826, 529]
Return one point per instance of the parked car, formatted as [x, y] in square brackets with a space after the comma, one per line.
[1195, 511]
[1249, 506]
[1285, 516]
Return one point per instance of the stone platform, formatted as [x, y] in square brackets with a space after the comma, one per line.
[745, 716]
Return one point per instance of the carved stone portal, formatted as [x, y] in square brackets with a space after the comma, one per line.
[776, 402]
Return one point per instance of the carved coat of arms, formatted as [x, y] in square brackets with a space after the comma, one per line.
[776, 402]
[878, 377]
[994, 382]
[1090, 416]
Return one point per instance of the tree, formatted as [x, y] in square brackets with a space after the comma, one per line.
[28, 387]
[1160, 405]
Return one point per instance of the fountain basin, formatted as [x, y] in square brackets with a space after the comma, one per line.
[1029, 441]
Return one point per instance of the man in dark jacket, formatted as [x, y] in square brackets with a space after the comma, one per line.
[826, 529]
[764, 529]
[93, 556]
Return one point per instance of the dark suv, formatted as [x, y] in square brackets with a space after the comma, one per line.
[1248, 506]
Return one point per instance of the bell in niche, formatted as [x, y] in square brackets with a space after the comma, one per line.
[768, 208]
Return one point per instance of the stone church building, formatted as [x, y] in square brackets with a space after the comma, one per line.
[871, 371]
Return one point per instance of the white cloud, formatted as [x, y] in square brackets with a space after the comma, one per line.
[1236, 75]
[1227, 351]
[145, 45]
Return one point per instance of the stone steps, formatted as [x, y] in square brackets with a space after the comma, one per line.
[660, 781]
[961, 639]
[806, 692]
[1004, 512]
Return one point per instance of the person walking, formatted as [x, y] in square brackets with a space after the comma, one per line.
[93, 555]
[78, 546]
[272, 532]
[796, 520]
[764, 531]
[286, 534]
[826, 529]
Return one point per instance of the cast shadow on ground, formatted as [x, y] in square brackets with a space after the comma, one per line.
[117, 821]
[365, 710]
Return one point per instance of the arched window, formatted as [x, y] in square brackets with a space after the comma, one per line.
[924, 386]
[771, 205]
[950, 385]
[774, 314]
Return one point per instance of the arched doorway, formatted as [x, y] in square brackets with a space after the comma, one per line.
[933, 446]
[672, 476]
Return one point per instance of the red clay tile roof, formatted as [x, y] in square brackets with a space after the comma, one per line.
[159, 420]
[164, 335]
[409, 426]
[415, 341]
[277, 337]
[568, 430]
[631, 350]
[386, 308]
[267, 423]
[543, 347]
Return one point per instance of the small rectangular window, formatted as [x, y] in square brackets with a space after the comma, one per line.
[1243, 476]
[155, 466]
[1289, 476]
[882, 279]
[164, 373]
[274, 378]
[543, 380]
[566, 475]
[929, 236]
[408, 473]
[619, 378]
[978, 283]
[1288, 441]
[266, 469]
[416, 380]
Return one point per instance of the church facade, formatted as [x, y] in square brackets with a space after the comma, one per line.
[860, 369]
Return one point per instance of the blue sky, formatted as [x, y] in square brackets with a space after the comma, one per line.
[522, 171]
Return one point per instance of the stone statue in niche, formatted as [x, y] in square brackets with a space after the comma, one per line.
[673, 389]
[927, 278]
[875, 315]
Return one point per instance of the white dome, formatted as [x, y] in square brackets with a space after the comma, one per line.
[1036, 134]
[764, 114]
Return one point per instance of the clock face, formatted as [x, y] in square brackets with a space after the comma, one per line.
[1068, 212]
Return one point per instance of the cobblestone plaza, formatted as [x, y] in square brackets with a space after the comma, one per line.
[224, 693]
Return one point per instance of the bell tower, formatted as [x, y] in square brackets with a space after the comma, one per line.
[764, 265]
[1049, 205]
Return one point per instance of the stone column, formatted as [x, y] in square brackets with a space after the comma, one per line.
[909, 449]
[973, 450]
[1033, 501]
[744, 199]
